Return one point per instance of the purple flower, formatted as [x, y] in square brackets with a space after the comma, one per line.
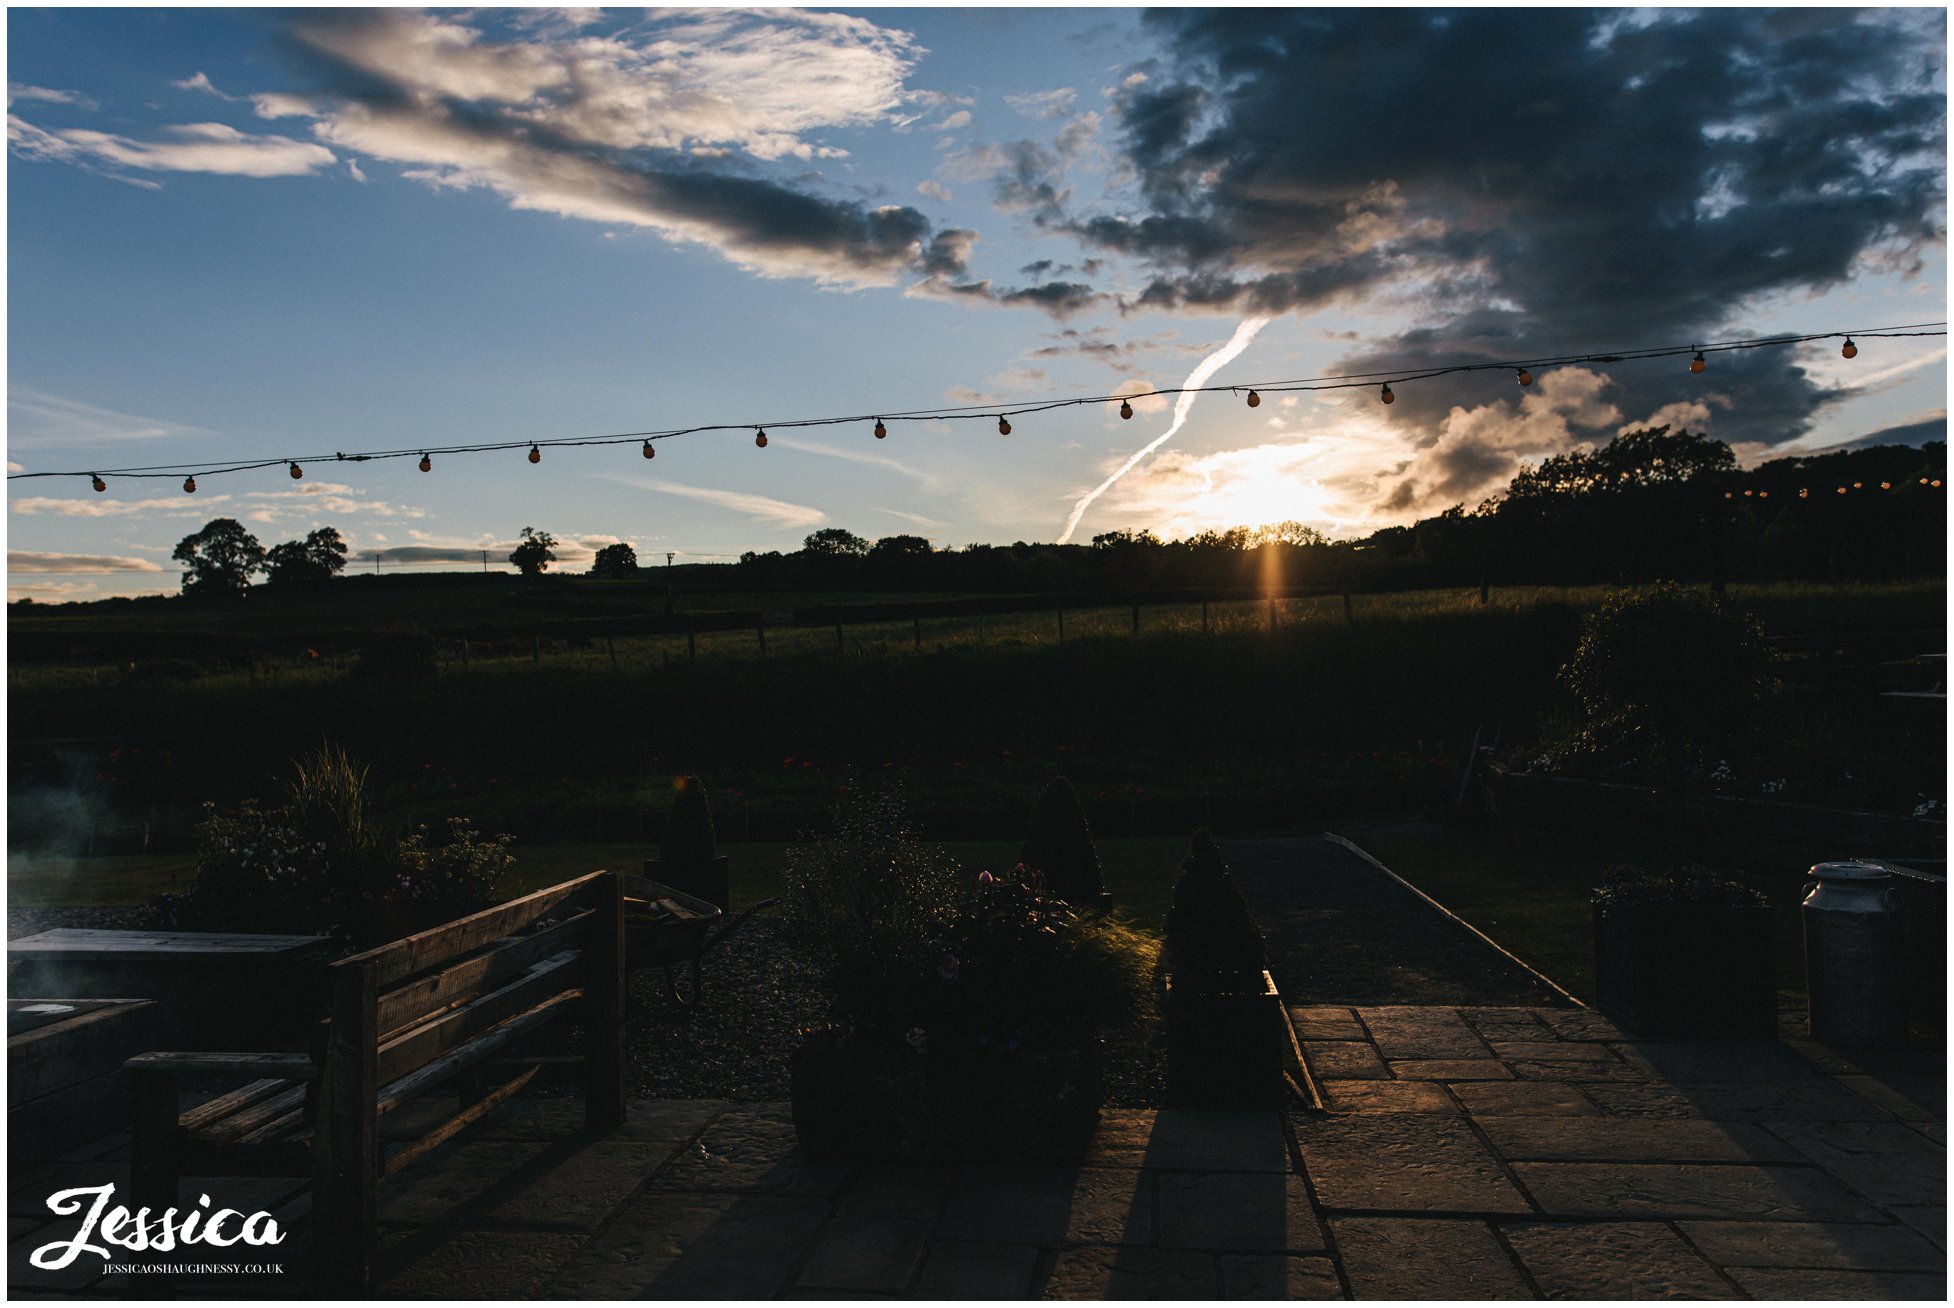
[985, 879]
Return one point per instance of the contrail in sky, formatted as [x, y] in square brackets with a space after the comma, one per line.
[1207, 368]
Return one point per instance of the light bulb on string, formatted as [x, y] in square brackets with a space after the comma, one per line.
[1747, 494]
[1524, 377]
[1385, 394]
[1254, 400]
[426, 464]
[190, 485]
[1886, 485]
[1858, 485]
[1849, 350]
[1003, 426]
[97, 482]
[1698, 363]
[881, 432]
[297, 472]
[1730, 495]
[1841, 490]
[1125, 409]
[1935, 483]
[648, 451]
[1763, 495]
[760, 438]
[535, 455]
[1804, 493]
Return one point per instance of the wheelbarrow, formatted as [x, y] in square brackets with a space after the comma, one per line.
[669, 929]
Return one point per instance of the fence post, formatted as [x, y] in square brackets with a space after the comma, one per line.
[1272, 613]
[691, 644]
[760, 630]
[1204, 617]
[916, 621]
[1347, 615]
[1061, 626]
[1485, 592]
[1136, 617]
[464, 651]
[840, 647]
[536, 650]
[610, 649]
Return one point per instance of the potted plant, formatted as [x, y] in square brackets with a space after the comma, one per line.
[1685, 955]
[965, 1022]
[1059, 844]
[688, 857]
[1225, 1022]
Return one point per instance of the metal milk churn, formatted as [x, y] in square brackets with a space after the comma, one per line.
[1854, 956]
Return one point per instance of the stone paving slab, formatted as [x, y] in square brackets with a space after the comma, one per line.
[1386, 1097]
[1690, 1190]
[1239, 1212]
[1191, 1140]
[1404, 1162]
[1450, 1069]
[1344, 1060]
[1051, 1206]
[1322, 1022]
[1508, 1024]
[668, 1245]
[1400, 1032]
[897, 1191]
[751, 1149]
[476, 1264]
[1522, 1099]
[1815, 1244]
[875, 1255]
[1887, 1162]
[1780, 1283]
[1425, 1258]
[1268, 1276]
[971, 1269]
[1930, 1220]
[1609, 1139]
[1116, 1272]
[1613, 1260]
[573, 1184]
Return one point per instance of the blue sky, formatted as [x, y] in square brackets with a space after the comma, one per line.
[237, 236]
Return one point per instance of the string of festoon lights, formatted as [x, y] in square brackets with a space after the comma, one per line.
[1522, 370]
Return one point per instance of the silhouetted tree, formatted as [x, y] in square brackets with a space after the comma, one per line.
[317, 558]
[615, 561]
[535, 553]
[835, 540]
[220, 559]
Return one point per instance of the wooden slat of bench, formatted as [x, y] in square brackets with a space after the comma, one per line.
[216, 1110]
[248, 1120]
[454, 1029]
[460, 1122]
[416, 1000]
[287, 1067]
[429, 949]
[418, 1082]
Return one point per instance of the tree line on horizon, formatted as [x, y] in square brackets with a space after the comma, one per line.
[1650, 504]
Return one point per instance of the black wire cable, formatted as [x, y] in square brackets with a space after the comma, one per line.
[993, 412]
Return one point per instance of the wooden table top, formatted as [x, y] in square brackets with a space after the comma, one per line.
[160, 946]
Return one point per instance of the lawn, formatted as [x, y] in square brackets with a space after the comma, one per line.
[1532, 897]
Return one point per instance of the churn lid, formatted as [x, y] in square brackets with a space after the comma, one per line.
[1850, 870]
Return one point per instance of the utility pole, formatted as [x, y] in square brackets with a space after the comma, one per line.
[376, 563]
[485, 561]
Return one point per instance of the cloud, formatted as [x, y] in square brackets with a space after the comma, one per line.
[200, 81]
[1532, 182]
[632, 128]
[852, 456]
[1922, 431]
[30, 561]
[107, 507]
[1044, 104]
[194, 148]
[759, 507]
[40, 418]
[20, 91]
[1325, 480]
[934, 190]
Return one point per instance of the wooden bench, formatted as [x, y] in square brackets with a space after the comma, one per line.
[437, 1008]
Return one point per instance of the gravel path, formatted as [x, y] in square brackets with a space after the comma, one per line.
[1341, 932]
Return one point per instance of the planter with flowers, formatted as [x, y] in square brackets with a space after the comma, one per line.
[1684, 956]
[967, 1014]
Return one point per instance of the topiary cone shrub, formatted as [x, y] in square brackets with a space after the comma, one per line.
[688, 856]
[1059, 844]
[1225, 1026]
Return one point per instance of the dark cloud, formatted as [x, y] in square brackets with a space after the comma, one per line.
[1542, 180]
[1059, 299]
[1924, 432]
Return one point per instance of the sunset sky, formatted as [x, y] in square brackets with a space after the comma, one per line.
[244, 235]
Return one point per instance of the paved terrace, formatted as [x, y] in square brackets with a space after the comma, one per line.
[1470, 1153]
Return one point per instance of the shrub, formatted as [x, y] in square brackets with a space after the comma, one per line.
[1630, 887]
[1210, 933]
[876, 902]
[318, 861]
[1059, 844]
[689, 837]
[1673, 677]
